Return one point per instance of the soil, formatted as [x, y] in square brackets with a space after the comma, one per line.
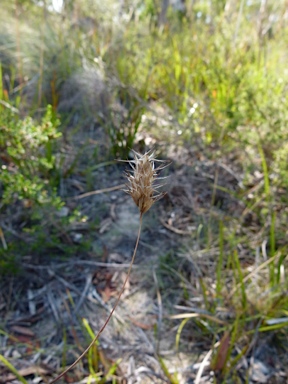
[46, 308]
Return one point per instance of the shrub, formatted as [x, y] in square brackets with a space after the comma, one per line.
[26, 157]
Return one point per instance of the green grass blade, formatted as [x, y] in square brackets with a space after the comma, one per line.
[1, 86]
[265, 172]
[13, 369]
[234, 336]
[269, 328]
[179, 331]
[172, 378]
[220, 261]
[241, 282]
[272, 234]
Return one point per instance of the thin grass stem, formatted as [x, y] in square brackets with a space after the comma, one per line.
[111, 313]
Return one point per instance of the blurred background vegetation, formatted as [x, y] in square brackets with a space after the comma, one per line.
[83, 81]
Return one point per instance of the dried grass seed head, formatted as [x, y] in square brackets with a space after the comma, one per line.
[141, 181]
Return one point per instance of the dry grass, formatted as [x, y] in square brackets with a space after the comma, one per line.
[142, 189]
[141, 185]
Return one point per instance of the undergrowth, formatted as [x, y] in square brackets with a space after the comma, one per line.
[211, 75]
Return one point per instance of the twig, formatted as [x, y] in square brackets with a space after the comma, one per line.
[4, 244]
[84, 293]
[99, 191]
[78, 262]
[203, 365]
[9, 106]
[51, 301]
[176, 230]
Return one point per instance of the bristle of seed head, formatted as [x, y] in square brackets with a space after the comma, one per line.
[141, 179]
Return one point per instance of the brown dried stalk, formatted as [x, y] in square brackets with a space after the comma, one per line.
[144, 193]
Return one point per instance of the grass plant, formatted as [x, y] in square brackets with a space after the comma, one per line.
[141, 187]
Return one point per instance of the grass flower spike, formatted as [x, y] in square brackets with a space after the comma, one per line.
[144, 193]
[141, 181]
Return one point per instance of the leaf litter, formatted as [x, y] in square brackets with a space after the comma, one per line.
[45, 305]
